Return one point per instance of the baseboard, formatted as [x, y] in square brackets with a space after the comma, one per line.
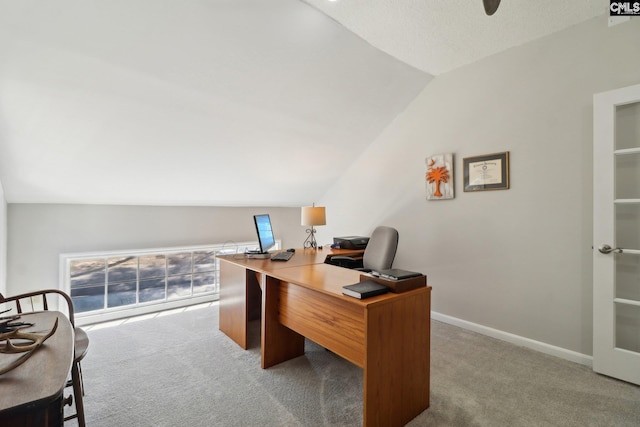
[552, 350]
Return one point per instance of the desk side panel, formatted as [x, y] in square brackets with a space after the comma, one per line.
[330, 321]
[233, 302]
[279, 343]
[397, 368]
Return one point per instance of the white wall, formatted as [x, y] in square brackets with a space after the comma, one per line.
[518, 261]
[3, 242]
[39, 233]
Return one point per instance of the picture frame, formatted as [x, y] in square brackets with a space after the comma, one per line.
[439, 177]
[486, 172]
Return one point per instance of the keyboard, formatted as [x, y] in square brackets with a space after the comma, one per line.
[282, 256]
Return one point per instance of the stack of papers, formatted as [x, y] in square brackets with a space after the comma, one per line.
[395, 274]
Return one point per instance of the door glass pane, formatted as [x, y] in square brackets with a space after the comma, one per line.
[627, 126]
[628, 327]
[627, 176]
[627, 277]
[627, 225]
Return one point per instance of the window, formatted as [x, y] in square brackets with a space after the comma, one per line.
[110, 283]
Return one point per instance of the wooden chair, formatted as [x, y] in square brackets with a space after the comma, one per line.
[40, 300]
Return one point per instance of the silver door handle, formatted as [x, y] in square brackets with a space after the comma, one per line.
[606, 249]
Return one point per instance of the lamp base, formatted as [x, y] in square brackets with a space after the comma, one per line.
[310, 241]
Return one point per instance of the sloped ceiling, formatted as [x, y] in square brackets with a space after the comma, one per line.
[437, 36]
[224, 102]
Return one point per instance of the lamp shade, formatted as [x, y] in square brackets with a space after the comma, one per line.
[313, 215]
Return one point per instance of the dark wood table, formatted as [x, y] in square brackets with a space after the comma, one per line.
[32, 393]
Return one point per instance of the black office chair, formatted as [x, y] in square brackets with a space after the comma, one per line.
[379, 254]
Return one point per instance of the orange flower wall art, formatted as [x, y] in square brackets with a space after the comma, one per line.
[439, 177]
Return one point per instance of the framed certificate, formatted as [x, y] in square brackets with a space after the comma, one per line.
[488, 172]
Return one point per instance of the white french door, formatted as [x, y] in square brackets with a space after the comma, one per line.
[616, 233]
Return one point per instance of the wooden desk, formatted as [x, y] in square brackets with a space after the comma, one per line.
[31, 394]
[240, 295]
[388, 335]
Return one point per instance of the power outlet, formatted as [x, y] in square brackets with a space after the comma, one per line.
[615, 20]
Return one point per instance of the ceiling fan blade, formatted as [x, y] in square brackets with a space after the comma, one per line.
[490, 6]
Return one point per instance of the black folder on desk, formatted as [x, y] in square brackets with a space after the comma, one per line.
[365, 289]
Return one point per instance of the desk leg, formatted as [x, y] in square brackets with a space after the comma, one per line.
[279, 343]
[396, 371]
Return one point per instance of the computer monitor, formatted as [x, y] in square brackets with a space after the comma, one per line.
[265, 232]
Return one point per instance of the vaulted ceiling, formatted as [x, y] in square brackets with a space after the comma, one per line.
[225, 102]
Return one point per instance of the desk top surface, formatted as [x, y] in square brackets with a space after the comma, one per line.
[307, 268]
[44, 374]
[299, 258]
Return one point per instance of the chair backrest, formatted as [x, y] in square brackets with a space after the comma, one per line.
[381, 249]
[38, 301]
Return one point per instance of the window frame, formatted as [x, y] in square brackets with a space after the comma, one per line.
[139, 308]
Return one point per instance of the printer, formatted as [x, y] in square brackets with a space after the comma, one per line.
[350, 242]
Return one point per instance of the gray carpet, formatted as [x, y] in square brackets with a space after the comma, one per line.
[180, 370]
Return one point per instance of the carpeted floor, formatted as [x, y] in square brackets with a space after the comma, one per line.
[178, 369]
